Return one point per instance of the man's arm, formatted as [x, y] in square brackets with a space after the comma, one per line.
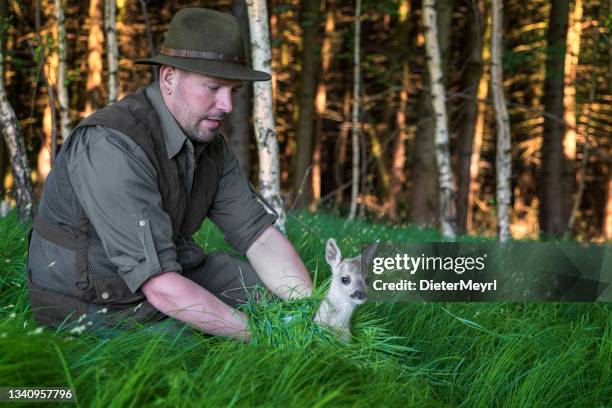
[248, 229]
[278, 265]
[183, 299]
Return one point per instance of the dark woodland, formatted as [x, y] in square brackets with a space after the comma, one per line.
[557, 83]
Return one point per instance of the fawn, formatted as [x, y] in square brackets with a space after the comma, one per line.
[348, 289]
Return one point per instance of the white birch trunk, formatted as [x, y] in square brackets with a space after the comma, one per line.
[23, 192]
[62, 89]
[503, 157]
[438, 95]
[263, 113]
[355, 123]
[112, 49]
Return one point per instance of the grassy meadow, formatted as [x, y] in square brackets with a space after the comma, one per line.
[403, 354]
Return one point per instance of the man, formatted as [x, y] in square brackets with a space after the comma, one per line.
[136, 179]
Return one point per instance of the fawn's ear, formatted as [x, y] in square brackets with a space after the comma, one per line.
[369, 251]
[366, 255]
[333, 256]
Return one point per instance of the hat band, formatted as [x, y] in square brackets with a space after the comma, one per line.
[175, 52]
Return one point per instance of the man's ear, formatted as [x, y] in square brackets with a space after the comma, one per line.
[333, 256]
[167, 78]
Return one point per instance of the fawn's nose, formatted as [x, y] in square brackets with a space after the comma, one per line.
[358, 295]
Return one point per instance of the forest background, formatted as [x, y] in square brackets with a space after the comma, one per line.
[556, 60]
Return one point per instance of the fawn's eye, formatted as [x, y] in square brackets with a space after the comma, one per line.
[345, 280]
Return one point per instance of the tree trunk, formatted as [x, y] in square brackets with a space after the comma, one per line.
[569, 98]
[308, 80]
[95, 46]
[470, 82]
[585, 159]
[265, 133]
[483, 92]
[23, 192]
[43, 158]
[424, 206]
[150, 42]
[438, 94]
[49, 65]
[3, 153]
[398, 173]
[341, 147]
[380, 160]
[112, 49]
[62, 88]
[503, 157]
[572, 53]
[607, 219]
[398, 163]
[237, 125]
[553, 205]
[355, 116]
[321, 103]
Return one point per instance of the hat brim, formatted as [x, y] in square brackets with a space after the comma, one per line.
[214, 68]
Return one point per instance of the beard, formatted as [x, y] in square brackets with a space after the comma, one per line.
[197, 133]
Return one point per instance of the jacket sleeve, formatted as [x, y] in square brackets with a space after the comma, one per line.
[235, 209]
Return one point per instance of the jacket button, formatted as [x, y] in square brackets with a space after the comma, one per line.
[105, 295]
[142, 223]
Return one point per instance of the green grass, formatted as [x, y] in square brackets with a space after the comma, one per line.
[404, 354]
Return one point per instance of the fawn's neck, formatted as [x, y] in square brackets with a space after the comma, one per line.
[338, 308]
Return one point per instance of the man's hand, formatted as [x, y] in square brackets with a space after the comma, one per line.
[279, 266]
[183, 299]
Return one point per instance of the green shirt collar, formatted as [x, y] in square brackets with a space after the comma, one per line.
[173, 134]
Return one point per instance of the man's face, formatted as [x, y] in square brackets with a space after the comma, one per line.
[199, 102]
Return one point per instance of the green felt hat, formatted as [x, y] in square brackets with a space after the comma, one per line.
[206, 42]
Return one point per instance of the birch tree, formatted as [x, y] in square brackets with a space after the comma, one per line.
[424, 191]
[263, 114]
[62, 89]
[22, 181]
[112, 49]
[356, 102]
[438, 94]
[503, 155]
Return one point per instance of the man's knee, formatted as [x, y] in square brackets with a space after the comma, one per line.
[231, 279]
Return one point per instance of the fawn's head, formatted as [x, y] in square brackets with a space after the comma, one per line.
[348, 279]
